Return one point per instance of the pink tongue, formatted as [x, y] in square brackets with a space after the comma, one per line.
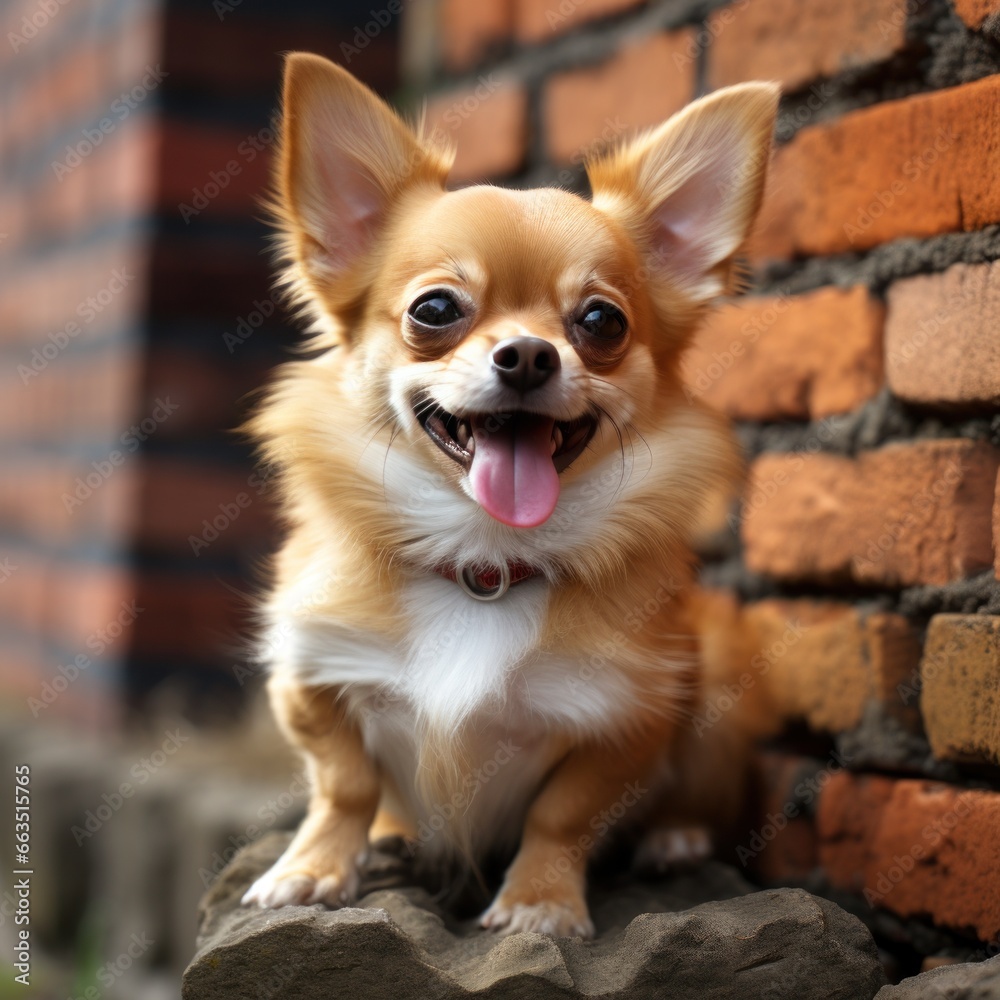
[512, 474]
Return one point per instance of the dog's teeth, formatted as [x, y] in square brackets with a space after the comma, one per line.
[557, 439]
[463, 434]
[470, 446]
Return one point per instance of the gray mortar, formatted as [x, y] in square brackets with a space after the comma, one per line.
[589, 44]
[882, 420]
[881, 266]
[978, 595]
[880, 743]
[939, 52]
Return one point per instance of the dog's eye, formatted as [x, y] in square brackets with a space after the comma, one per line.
[435, 309]
[601, 319]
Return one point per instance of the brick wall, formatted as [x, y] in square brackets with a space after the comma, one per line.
[73, 199]
[216, 328]
[135, 317]
[863, 373]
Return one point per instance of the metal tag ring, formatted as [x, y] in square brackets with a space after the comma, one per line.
[466, 578]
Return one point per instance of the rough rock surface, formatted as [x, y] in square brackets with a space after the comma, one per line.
[968, 981]
[701, 935]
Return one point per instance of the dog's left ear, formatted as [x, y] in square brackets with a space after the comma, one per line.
[346, 159]
[689, 190]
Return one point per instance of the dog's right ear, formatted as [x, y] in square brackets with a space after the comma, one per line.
[346, 157]
[690, 189]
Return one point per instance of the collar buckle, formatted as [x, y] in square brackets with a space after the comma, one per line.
[496, 584]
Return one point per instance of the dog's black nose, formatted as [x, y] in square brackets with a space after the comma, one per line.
[525, 362]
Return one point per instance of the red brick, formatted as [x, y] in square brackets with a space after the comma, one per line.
[975, 12]
[779, 357]
[222, 282]
[90, 395]
[996, 530]
[487, 123]
[905, 514]
[109, 511]
[46, 297]
[177, 497]
[81, 86]
[793, 853]
[206, 395]
[815, 668]
[893, 651]
[960, 687]
[191, 43]
[916, 848]
[231, 168]
[17, 223]
[644, 83]
[89, 703]
[116, 181]
[90, 610]
[540, 20]
[469, 31]
[37, 500]
[73, 89]
[214, 610]
[12, 19]
[794, 42]
[942, 337]
[792, 856]
[825, 661]
[930, 158]
[24, 575]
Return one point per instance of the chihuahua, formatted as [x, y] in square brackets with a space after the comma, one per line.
[483, 633]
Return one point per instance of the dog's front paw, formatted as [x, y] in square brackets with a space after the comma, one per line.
[320, 865]
[557, 919]
[290, 885]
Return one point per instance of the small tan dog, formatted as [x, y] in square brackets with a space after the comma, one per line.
[482, 633]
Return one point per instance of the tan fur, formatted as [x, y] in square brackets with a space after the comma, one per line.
[345, 789]
[559, 829]
[358, 246]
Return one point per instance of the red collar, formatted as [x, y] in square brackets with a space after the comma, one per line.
[487, 583]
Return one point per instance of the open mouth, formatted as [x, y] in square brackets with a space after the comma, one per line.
[513, 459]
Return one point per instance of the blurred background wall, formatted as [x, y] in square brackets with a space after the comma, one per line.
[137, 313]
[863, 371]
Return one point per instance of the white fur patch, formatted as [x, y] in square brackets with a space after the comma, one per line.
[462, 651]
[467, 665]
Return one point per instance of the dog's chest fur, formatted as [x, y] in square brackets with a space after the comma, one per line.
[471, 667]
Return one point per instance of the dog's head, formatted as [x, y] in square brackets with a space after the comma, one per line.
[508, 343]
